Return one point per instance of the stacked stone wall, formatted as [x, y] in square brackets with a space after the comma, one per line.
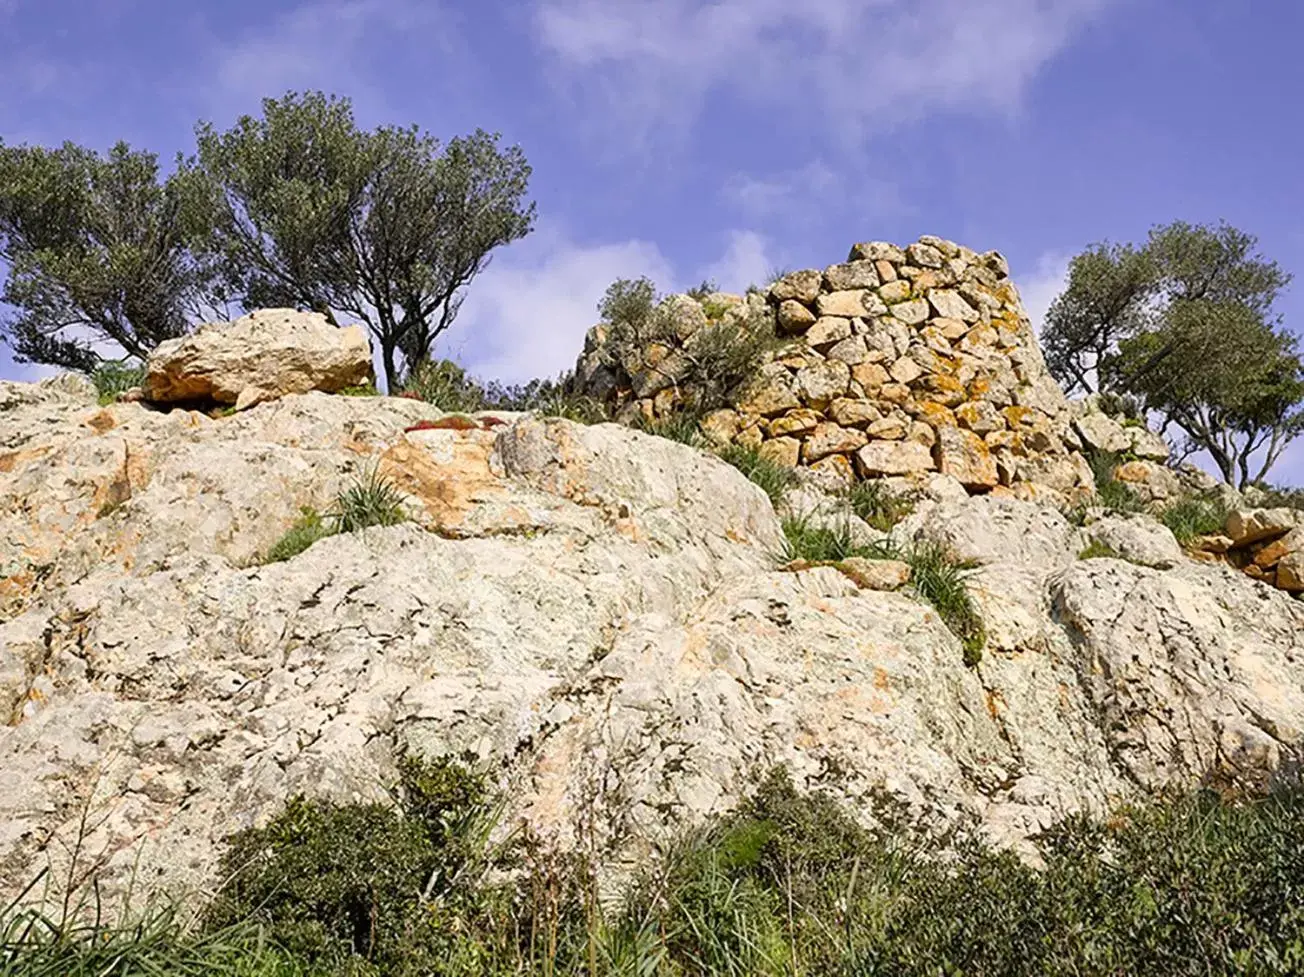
[899, 361]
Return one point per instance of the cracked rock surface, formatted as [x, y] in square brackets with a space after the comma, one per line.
[594, 613]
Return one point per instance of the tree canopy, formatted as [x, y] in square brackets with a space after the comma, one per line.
[386, 226]
[1184, 325]
[99, 251]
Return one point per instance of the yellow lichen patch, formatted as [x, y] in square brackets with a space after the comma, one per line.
[935, 415]
[1017, 416]
[979, 387]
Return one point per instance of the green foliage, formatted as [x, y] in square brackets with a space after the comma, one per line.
[1191, 518]
[1183, 327]
[309, 528]
[774, 478]
[113, 378]
[338, 882]
[825, 541]
[1096, 550]
[704, 288]
[100, 251]
[387, 226]
[1111, 494]
[446, 385]
[681, 426]
[371, 500]
[940, 579]
[708, 367]
[361, 390]
[873, 502]
[1278, 496]
[785, 883]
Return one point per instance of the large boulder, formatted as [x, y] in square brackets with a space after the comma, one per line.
[264, 355]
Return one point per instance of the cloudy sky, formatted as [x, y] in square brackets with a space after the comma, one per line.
[683, 139]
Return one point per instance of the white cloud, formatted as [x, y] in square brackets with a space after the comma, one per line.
[747, 261]
[1039, 289]
[526, 315]
[845, 68]
[795, 196]
[324, 44]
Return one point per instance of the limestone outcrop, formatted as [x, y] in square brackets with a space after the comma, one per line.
[897, 362]
[599, 615]
[262, 356]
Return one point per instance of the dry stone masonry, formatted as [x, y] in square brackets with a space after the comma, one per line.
[896, 362]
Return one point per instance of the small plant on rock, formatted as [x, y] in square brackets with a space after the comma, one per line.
[372, 500]
[1112, 494]
[939, 578]
[771, 476]
[113, 378]
[1096, 550]
[309, 528]
[872, 502]
[681, 426]
[1189, 519]
[822, 542]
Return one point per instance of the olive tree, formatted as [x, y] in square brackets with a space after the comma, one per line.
[385, 225]
[1184, 325]
[99, 250]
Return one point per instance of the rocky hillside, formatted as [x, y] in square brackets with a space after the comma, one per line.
[606, 619]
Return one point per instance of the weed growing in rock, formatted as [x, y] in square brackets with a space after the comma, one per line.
[309, 528]
[682, 426]
[1189, 519]
[361, 390]
[372, 500]
[940, 579]
[1112, 494]
[874, 503]
[113, 378]
[774, 478]
[822, 542]
[1096, 550]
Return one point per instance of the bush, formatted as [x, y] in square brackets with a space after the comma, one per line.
[773, 478]
[784, 883]
[445, 385]
[1188, 519]
[939, 579]
[1096, 550]
[872, 502]
[333, 882]
[712, 365]
[812, 542]
[113, 378]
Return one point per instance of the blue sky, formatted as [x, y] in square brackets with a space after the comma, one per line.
[683, 139]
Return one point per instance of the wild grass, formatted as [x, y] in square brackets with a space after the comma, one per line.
[1191, 518]
[1113, 495]
[369, 500]
[1096, 550]
[785, 884]
[775, 479]
[681, 426]
[113, 378]
[936, 576]
[873, 502]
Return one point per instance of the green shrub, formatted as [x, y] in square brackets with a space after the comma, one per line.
[872, 502]
[774, 478]
[702, 289]
[309, 528]
[361, 390]
[113, 378]
[1112, 494]
[371, 500]
[1194, 517]
[446, 385]
[371, 881]
[681, 426]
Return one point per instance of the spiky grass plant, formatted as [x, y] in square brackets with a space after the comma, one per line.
[873, 502]
[773, 478]
[371, 500]
[113, 378]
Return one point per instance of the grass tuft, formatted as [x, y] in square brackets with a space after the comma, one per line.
[1189, 519]
[872, 502]
[113, 378]
[1096, 550]
[309, 528]
[771, 476]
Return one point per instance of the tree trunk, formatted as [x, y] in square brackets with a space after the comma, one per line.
[391, 372]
